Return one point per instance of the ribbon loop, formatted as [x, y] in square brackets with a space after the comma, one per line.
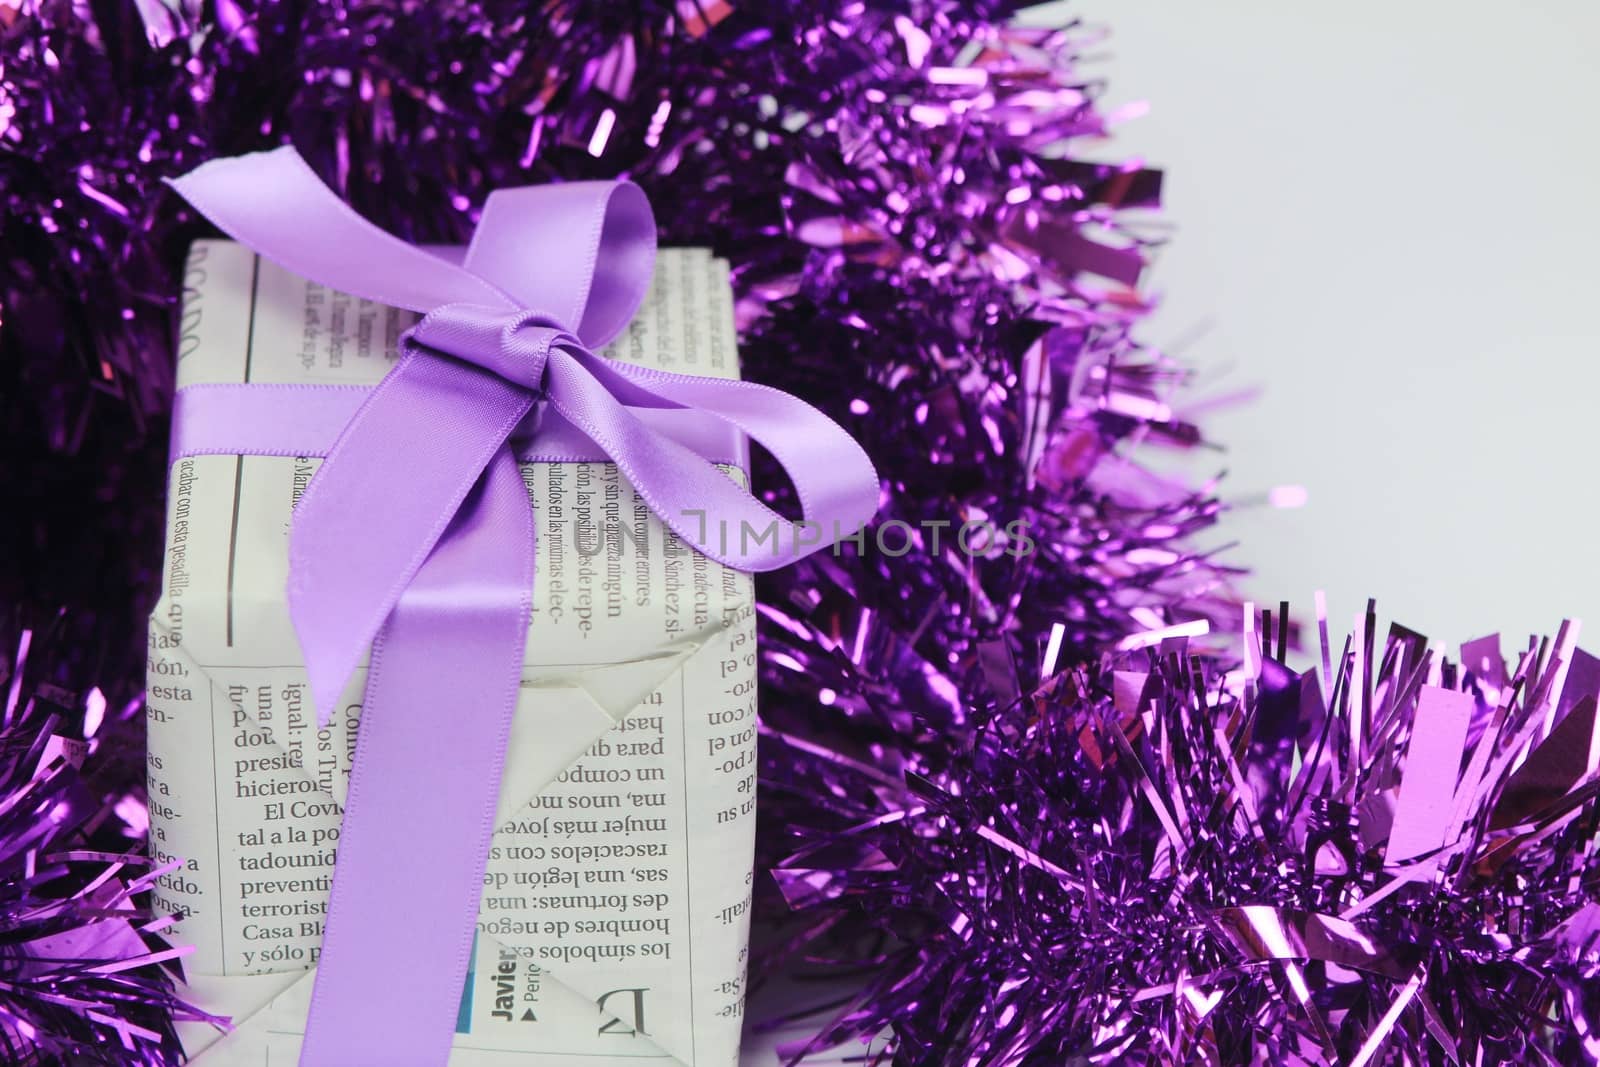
[580, 253]
[834, 480]
[274, 203]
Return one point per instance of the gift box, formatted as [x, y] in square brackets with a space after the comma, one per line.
[614, 912]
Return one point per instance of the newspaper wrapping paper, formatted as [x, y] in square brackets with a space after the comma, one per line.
[614, 919]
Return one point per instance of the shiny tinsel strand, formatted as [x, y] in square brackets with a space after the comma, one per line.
[84, 974]
[1166, 856]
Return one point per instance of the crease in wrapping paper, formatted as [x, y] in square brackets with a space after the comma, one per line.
[614, 919]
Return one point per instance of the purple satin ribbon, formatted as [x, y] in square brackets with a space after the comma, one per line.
[415, 538]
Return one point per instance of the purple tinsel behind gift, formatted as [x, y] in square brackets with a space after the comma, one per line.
[83, 976]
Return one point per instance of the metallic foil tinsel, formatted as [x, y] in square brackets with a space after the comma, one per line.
[84, 974]
[1172, 856]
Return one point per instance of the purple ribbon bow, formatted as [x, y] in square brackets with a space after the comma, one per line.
[415, 538]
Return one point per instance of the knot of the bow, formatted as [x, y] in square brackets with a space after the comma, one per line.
[514, 345]
[552, 273]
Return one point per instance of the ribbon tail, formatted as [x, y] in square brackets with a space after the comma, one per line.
[381, 502]
[445, 674]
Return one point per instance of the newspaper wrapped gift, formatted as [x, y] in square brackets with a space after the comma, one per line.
[613, 921]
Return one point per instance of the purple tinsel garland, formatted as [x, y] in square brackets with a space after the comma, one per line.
[1153, 858]
[82, 969]
[918, 249]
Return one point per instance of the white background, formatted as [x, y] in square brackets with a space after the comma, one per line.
[1387, 218]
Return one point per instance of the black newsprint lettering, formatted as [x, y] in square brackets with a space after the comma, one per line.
[194, 279]
[505, 985]
[616, 1024]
